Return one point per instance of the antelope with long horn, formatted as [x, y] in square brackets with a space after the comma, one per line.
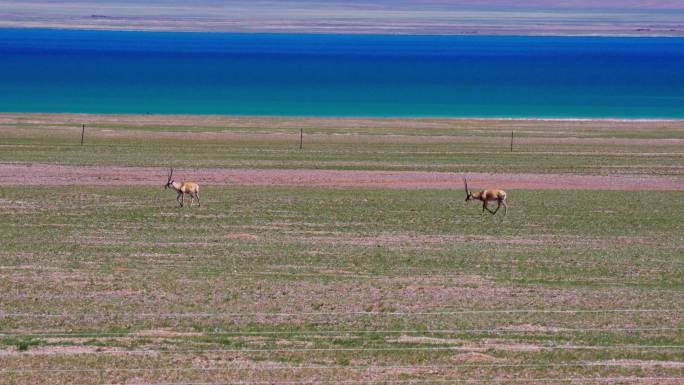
[486, 196]
[183, 188]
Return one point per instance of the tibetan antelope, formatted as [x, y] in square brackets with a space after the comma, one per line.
[486, 196]
[183, 188]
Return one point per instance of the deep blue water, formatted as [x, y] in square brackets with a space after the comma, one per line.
[340, 75]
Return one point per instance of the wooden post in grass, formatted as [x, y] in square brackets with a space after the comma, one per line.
[82, 133]
[511, 141]
[301, 138]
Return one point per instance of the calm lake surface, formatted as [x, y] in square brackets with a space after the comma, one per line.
[340, 75]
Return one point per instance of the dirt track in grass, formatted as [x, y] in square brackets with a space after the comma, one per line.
[60, 175]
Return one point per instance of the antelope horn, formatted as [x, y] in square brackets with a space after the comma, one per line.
[465, 183]
[169, 180]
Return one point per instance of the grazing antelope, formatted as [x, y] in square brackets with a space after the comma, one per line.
[486, 196]
[183, 188]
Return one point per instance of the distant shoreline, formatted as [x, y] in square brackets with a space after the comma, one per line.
[85, 116]
[678, 35]
[386, 17]
[380, 32]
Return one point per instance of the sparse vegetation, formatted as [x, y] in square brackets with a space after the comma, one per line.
[314, 284]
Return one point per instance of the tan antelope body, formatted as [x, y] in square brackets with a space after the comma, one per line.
[183, 188]
[486, 196]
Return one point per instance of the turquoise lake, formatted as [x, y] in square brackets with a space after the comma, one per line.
[340, 75]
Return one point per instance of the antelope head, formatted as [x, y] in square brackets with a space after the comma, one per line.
[169, 182]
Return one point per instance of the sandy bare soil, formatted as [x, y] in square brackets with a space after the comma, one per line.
[59, 175]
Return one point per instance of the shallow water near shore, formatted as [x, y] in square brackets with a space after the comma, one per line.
[340, 75]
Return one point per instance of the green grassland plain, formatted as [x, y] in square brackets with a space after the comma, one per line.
[114, 283]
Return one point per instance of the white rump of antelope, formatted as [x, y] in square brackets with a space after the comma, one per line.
[183, 188]
[486, 196]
